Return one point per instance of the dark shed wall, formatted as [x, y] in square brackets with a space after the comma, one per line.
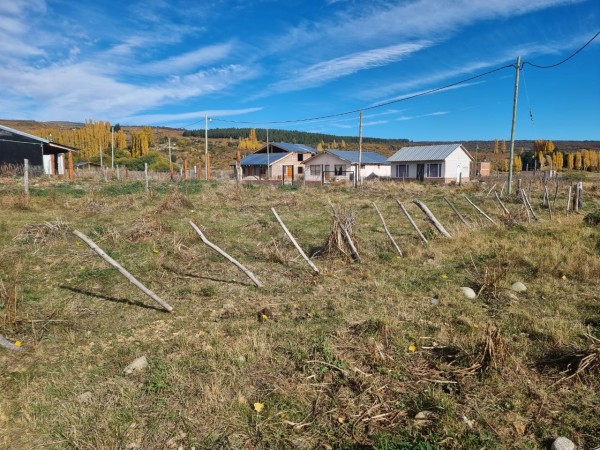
[16, 152]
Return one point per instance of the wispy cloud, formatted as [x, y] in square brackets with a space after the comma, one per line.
[325, 71]
[181, 117]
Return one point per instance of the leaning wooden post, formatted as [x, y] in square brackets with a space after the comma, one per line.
[9, 345]
[549, 206]
[528, 203]
[287, 232]
[387, 231]
[480, 210]
[225, 255]
[526, 208]
[124, 272]
[26, 177]
[436, 223]
[504, 208]
[568, 202]
[412, 222]
[460, 216]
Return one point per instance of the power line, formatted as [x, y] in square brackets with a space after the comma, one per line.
[402, 99]
[564, 60]
[367, 108]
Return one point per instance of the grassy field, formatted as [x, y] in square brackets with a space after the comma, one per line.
[345, 359]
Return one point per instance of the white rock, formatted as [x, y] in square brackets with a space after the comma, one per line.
[425, 415]
[136, 365]
[435, 301]
[469, 293]
[518, 287]
[562, 443]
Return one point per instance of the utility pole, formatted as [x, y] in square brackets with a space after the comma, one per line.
[206, 146]
[512, 129]
[268, 158]
[101, 165]
[112, 146]
[359, 182]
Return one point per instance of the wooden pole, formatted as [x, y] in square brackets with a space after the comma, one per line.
[504, 208]
[9, 345]
[412, 222]
[490, 191]
[568, 202]
[386, 230]
[208, 166]
[480, 210]
[528, 203]
[549, 206]
[146, 190]
[289, 235]
[26, 177]
[185, 169]
[436, 223]
[526, 208]
[124, 272]
[70, 164]
[225, 255]
[460, 216]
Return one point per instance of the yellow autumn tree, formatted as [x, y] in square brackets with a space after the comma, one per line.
[578, 160]
[570, 161]
[503, 148]
[496, 146]
[139, 143]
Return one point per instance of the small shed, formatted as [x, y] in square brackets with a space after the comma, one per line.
[443, 163]
[16, 146]
[278, 160]
[342, 165]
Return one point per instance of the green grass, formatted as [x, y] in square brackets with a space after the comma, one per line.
[333, 366]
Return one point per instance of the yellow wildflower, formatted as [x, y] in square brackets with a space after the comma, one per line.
[18, 343]
[412, 348]
[258, 407]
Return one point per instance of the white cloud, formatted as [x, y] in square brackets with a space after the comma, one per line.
[171, 118]
[326, 71]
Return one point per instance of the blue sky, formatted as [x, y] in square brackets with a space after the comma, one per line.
[170, 62]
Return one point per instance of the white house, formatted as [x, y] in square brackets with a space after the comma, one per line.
[278, 160]
[444, 163]
[342, 165]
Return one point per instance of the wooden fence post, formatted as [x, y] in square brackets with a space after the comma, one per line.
[387, 231]
[436, 223]
[70, 164]
[26, 177]
[289, 235]
[412, 222]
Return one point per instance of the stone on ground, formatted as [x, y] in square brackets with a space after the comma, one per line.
[562, 443]
[518, 287]
[469, 293]
[136, 365]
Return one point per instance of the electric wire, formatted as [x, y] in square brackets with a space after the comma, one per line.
[403, 99]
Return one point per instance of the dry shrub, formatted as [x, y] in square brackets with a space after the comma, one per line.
[574, 361]
[489, 279]
[593, 218]
[44, 232]
[491, 354]
[336, 244]
[145, 229]
[174, 202]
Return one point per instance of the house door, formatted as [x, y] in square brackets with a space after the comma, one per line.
[420, 172]
[289, 171]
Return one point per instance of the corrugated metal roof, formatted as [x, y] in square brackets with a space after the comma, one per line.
[425, 153]
[352, 156]
[298, 148]
[262, 159]
[22, 133]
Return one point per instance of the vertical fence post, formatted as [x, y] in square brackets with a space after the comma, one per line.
[146, 178]
[26, 177]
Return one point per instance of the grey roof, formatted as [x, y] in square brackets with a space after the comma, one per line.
[426, 153]
[262, 159]
[4, 129]
[22, 133]
[352, 156]
[298, 148]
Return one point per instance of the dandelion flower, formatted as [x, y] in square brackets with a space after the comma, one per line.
[18, 343]
[154, 250]
[258, 407]
[445, 277]
[341, 419]
[412, 348]
[264, 317]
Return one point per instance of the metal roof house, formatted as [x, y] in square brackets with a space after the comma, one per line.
[443, 163]
[342, 165]
[16, 146]
[278, 160]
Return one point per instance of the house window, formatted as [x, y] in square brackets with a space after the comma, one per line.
[339, 170]
[300, 157]
[401, 170]
[300, 169]
[434, 170]
[315, 170]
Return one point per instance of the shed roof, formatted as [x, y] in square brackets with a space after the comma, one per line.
[352, 156]
[426, 152]
[262, 159]
[6, 132]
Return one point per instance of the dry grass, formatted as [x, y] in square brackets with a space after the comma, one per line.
[345, 359]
